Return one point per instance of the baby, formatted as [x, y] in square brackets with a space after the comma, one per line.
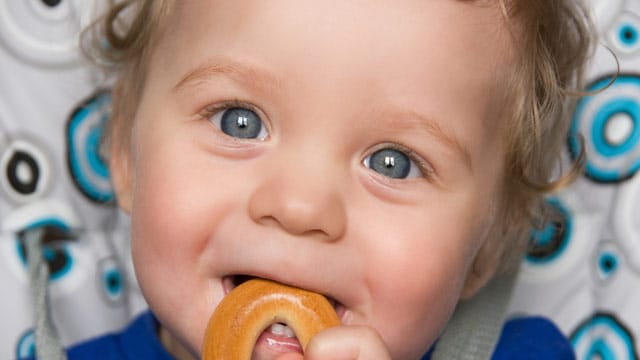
[390, 155]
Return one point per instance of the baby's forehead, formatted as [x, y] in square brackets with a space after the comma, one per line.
[469, 37]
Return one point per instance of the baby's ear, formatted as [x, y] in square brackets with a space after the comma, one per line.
[483, 269]
[120, 165]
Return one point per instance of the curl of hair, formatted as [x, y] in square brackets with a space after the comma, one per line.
[122, 41]
[554, 40]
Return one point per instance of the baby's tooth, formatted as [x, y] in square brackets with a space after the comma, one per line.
[282, 330]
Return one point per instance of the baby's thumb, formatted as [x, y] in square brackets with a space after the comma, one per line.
[289, 356]
[347, 343]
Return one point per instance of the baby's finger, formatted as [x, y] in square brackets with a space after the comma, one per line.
[290, 356]
[347, 343]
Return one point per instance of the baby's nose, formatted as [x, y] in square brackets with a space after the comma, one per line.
[303, 205]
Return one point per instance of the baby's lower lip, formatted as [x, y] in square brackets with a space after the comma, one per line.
[280, 341]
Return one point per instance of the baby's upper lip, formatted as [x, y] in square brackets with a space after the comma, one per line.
[229, 282]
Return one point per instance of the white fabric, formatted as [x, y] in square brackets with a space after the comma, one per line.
[591, 285]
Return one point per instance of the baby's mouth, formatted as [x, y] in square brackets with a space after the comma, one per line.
[230, 282]
[277, 337]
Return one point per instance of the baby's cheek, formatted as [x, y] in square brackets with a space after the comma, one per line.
[409, 333]
[161, 209]
[167, 277]
[416, 310]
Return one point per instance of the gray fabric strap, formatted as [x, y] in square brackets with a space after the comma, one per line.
[48, 346]
[473, 331]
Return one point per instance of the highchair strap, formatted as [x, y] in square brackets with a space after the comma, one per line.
[47, 343]
[474, 329]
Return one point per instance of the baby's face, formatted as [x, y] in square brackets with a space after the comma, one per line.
[351, 148]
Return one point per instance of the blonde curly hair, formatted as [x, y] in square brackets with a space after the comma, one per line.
[553, 41]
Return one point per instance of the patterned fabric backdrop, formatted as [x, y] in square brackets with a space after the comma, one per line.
[583, 270]
[53, 175]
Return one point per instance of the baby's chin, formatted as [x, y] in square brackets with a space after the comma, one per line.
[175, 347]
[182, 333]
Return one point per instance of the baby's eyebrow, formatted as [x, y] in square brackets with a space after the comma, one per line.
[407, 120]
[255, 77]
[240, 72]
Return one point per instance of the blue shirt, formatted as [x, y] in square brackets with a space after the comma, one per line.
[525, 338]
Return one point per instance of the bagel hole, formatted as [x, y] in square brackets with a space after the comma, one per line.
[279, 337]
[281, 328]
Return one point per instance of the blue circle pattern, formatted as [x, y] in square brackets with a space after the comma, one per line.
[113, 283]
[623, 105]
[599, 348]
[554, 237]
[628, 35]
[48, 253]
[111, 280]
[26, 346]
[86, 146]
[607, 264]
[95, 161]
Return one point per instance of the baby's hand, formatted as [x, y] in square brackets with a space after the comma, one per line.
[344, 343]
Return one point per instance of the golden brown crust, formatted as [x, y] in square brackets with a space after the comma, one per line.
[253, 306]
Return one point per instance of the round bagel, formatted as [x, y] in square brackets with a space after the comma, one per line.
[253, 306]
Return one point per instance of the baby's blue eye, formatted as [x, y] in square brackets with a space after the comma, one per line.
[240, 123]
[392, 163]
